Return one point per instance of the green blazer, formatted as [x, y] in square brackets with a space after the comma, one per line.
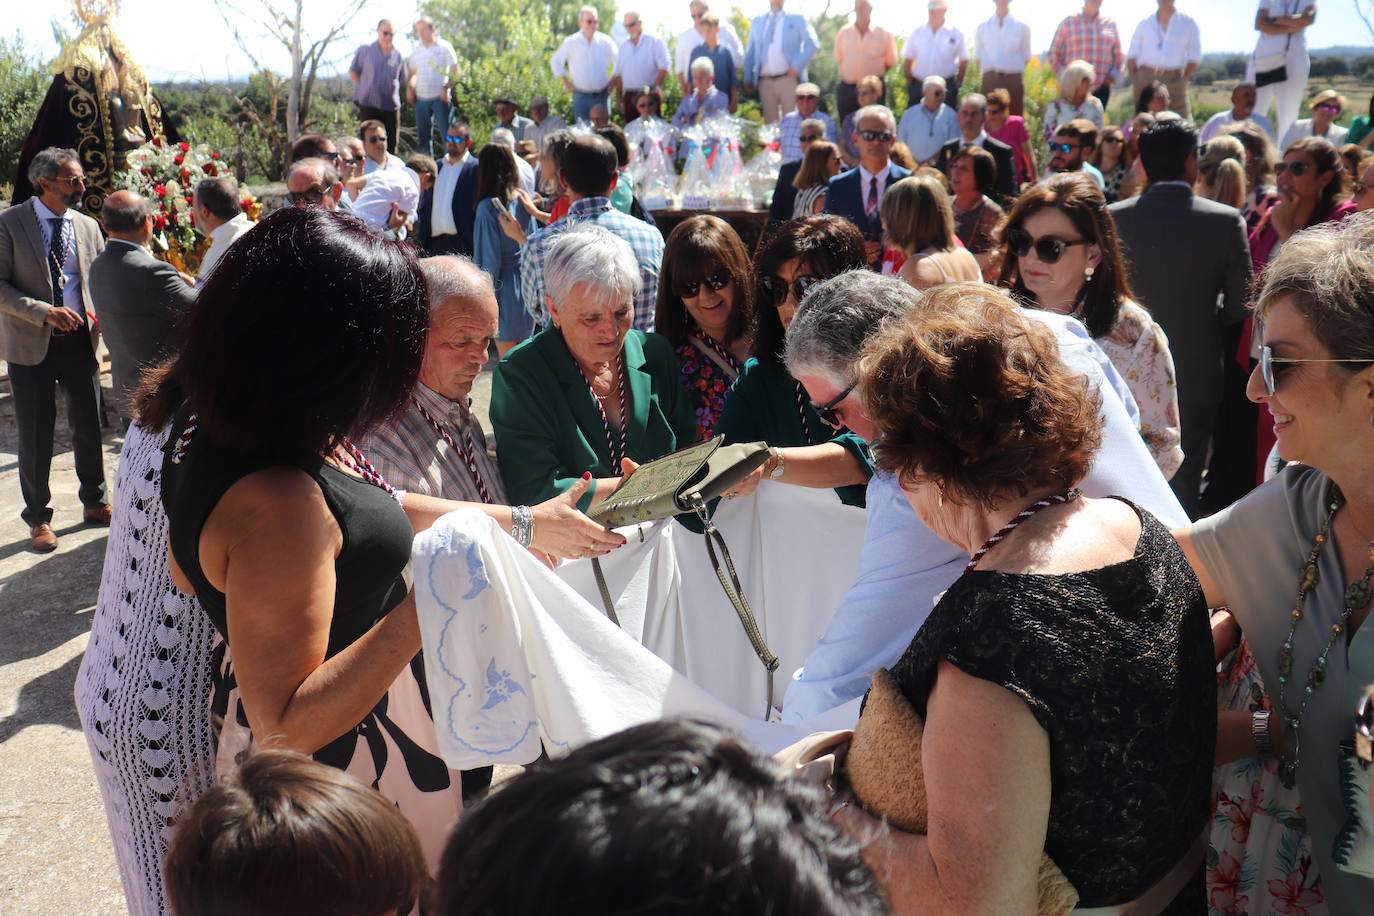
[548, 430]
[762, 405]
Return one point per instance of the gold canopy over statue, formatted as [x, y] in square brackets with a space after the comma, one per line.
[99, 104]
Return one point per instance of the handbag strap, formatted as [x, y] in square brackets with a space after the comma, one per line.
[606, 600]
[713, 356]
[729, 582]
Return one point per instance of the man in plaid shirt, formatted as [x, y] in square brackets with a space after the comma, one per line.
[589, 171]
[1088, 36]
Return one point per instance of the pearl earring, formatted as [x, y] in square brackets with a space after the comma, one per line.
[1088, 272]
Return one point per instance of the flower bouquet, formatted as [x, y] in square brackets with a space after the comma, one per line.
[166, 175]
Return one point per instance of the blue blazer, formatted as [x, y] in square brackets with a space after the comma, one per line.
[464, 211]
[798, 44]
[845, 198]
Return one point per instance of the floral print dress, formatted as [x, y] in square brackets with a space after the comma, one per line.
[707, 381]
[1259, 862]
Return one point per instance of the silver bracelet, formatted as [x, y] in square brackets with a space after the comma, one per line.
[522, 525]
[1259, 730]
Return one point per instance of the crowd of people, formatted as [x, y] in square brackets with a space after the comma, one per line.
[1040, 381]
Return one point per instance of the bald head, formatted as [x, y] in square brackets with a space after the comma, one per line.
[311, 177]
[127, 216]
[462, 323]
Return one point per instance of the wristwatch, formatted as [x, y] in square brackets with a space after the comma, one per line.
[778, 465]
[1259, 730]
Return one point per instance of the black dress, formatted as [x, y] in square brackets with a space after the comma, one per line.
[393, 748]
[1116, 664]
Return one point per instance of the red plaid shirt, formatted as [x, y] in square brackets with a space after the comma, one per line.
[1093, 40]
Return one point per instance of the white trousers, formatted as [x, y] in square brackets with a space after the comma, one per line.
[1286, 96]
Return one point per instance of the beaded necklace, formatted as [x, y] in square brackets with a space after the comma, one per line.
[616, 456]
[1357, 594]
[1021, 516]
[351, 456]
[467, 448]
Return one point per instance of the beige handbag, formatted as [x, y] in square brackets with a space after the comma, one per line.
[682, 483]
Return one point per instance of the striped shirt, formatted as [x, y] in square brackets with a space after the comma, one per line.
[645, 240]
[411, 455]
[431, 64]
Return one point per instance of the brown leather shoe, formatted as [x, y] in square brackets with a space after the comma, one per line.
[100, 515]
[41, 538]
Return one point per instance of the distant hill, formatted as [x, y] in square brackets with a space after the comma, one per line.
[1349, 52]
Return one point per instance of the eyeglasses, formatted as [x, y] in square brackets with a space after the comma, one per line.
[350, 160]
[1296, 169]
[1064, 148]
[883, 135]
[71, 181]
[1268, 359]
[716, 282]
[375, 140]
[630, 25]
[776, 290]
[810, 138]
[387, 34]
[311, 196]
[826, 411]
[1048, 249]
[1327, 106]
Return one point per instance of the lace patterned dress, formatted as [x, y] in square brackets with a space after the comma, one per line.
[144, 684]
[1116, 665]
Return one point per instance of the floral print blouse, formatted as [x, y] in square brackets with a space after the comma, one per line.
[706, 383]
[1138, 349]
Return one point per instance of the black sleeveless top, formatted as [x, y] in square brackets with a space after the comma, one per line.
[1116, 665]
[376, 532]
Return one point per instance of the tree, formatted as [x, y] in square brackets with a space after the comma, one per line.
[23, 81]
[283, 20]
[480, 29]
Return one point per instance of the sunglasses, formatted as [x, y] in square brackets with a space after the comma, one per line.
[1048, 249]
[630, 25]
[826, 411]
[1113, 140]
[1268, 360]
[350, 160]
[716, 282]
[1327, 106]
[452, 139]
[810, 138]
[1064, 148]
[376, 140]
[332, 157]
[776, 290]
[388, 34]
[883, 135]
[70, 181]
[1296, 169]
[312, 196]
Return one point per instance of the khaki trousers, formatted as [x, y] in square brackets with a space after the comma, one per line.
[1173, 79]
[1012, 83]
[777, 96]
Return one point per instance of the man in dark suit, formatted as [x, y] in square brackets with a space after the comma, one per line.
[857, 194]
[141, 298]
[973, 112]
[784, 194]
[48, 337]
[446, 216]
[1182, 252]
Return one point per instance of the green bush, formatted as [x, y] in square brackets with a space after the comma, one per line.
[23, 83]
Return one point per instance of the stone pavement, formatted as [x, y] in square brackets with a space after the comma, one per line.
[55, 853]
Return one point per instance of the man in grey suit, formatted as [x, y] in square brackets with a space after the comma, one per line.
[141, 298]
[48, 338]
[1189, 264]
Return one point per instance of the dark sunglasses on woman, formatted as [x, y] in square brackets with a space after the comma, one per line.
[1048, 249]
[776, 290]
[1296, 169]
[717, 282]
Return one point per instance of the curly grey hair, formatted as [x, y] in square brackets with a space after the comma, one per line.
[837, 318]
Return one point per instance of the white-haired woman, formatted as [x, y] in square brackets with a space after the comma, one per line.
[1074, 99]
[587, 391]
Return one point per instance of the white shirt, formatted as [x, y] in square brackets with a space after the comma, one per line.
[935, 53]
[392, 162]
[687, 43]
[399, 186]
[866, 181]
[587, 63]
[1295, 44]
[430, 64]
[1224, 118]
[538, 132]
[441, 211]
[1303, 128]
[221, 237]
[71, 264]
[1173, 48]
[774, 61]
[637, 65]
[1002, 45]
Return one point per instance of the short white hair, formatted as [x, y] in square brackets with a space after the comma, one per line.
[502, 136]
[454, 277]
[594, 259]
[703, 65]
[585, 10]
[876, 111]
